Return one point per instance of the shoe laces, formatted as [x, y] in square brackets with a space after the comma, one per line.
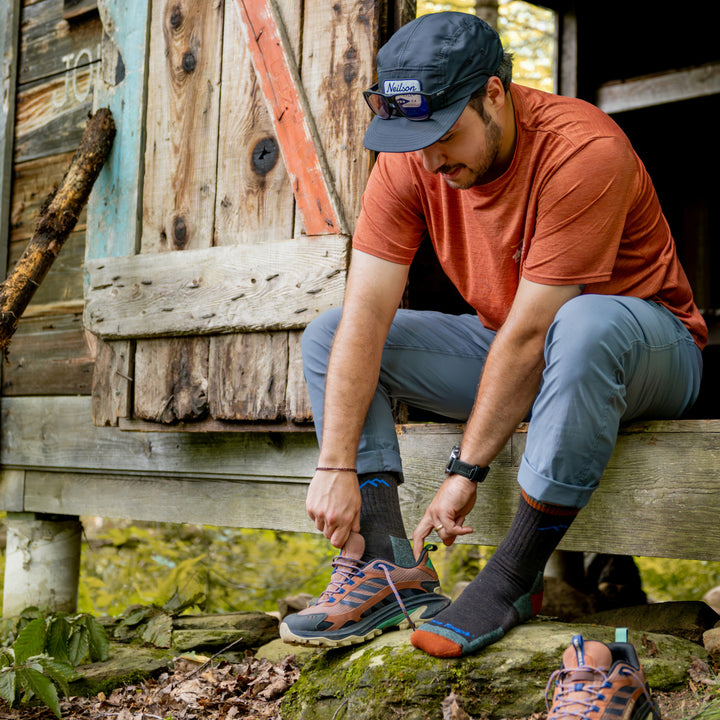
[397, 595]
[344, 570]
[569, 704]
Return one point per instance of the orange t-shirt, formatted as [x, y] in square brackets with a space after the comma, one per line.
[576, 206]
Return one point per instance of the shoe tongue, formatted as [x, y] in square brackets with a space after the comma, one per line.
[354, 546]
[580, 684]
[592, 654]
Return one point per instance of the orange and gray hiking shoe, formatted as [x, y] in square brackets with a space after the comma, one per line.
[364, 599]
[600, 682]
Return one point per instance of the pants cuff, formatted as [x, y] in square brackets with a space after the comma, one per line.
[546, 490]
[373, 461]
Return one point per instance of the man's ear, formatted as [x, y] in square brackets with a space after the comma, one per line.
[495, 92]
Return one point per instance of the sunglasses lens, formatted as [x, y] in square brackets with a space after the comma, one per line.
[378, 104]
[413, 106]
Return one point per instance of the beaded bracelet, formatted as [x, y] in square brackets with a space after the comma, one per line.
[337, 469]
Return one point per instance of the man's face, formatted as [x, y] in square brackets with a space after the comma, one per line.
[465, 154]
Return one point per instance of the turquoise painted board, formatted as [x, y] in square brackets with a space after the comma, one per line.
[8, 66]
[114, 208]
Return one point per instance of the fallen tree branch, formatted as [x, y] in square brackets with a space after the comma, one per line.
[57, 220]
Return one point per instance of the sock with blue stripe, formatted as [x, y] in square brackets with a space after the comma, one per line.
[508, 590]
[381, 522]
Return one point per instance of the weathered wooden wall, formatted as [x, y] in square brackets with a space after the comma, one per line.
[58, 69]
[216, 193]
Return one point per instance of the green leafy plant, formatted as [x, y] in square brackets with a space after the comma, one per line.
[43, 654]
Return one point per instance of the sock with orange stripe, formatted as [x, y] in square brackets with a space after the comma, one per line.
[508, 590]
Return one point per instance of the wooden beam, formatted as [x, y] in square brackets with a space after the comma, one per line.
[668, 87]
[658, 495]
[9, 45]
[279, 80]
[280, 285]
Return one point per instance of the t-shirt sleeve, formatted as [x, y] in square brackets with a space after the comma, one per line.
[392, 224]
[582, 209]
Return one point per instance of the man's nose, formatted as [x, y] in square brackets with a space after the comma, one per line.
[432, 158]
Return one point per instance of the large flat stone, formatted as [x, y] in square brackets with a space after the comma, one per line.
[388, 677]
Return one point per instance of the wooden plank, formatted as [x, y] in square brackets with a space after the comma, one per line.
[73, 9]
[338, 62]
[567, 53]
[249, 372]
[112, 381]
[8, 83]
[64, 281]
[113, 217]
[179, 186]
[254, 204]
[182, 125]
[12, 490]
[170, 379]
[55, 433]
[48, 356]
[245, 287]
[52, 114]
[51, 45]
[213, 425]
[254, 201]
[654, 505]
[297, 400]
[235, 503]
[32, 183]
[660, 89]
[659, 493]
[279, 79]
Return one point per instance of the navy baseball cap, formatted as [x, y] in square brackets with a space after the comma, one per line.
[446, 55]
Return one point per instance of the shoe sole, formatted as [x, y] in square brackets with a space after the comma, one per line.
[386, 619]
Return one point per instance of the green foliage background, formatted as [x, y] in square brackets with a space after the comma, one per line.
[125, 564]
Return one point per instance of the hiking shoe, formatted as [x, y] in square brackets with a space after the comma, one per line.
[363, 599]
[599, 682]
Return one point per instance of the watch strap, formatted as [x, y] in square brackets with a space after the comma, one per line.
[471, 472]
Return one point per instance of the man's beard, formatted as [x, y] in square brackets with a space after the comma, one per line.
[493, 135]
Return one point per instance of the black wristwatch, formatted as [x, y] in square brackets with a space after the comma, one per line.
[471, 472]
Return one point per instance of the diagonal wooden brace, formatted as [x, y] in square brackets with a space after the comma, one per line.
[297, 135]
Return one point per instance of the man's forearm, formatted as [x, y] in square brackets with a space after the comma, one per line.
[351, 380]
[509, 384]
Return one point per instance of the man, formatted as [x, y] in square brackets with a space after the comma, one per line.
[548, 224]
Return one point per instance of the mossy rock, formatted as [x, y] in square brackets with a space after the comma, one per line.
[388, 677]
[126, 665]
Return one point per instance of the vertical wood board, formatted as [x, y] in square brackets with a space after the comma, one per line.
[115, 204]
[339, 48]
[182, 125]
[8, 78]
[278, 75]
[254, 201]
[171, 379]
[183, 113]
[249, 376]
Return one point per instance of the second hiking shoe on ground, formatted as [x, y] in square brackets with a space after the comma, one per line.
[364, 599]
[598, 682]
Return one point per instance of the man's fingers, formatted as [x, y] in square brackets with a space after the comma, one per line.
[421, 532]
[338, 537]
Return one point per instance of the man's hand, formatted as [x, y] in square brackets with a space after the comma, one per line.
[333, 503]
[447, 512]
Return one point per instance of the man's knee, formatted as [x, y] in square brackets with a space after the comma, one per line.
[318, 337]
[586, 327]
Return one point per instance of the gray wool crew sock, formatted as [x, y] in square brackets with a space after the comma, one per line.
[381, 522]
